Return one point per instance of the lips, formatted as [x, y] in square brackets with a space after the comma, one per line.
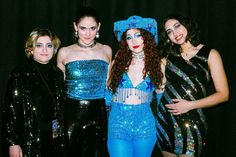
[178, 37]
[136, 46]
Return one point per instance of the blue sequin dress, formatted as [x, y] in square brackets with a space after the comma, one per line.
[184, 134]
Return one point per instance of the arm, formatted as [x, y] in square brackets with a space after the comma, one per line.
[11, 116]
[161, 88]
[60, 60]
[220, 83]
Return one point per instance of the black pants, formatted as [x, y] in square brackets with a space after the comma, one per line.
[86, 128]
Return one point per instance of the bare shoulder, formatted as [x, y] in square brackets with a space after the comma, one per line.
[107, 49]
[214, 55]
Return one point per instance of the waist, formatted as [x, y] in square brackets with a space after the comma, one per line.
[85, 103]
[130, 106]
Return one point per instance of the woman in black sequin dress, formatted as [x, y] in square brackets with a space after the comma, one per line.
[190, 68]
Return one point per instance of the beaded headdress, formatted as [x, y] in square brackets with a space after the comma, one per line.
[134, 21]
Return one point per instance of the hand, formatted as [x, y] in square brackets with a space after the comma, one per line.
[180, 106]
[15, 151]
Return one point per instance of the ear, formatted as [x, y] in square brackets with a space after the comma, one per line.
[99, 25]
[75, 26]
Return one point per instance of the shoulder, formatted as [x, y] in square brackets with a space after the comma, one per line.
[66, 50]
[107, 49]
[214, 54]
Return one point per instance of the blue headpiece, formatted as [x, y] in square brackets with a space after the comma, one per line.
[148, 24]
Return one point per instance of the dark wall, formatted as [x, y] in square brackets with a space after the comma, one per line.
[216, 18]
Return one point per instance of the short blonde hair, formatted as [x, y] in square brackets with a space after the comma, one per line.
[33, 37]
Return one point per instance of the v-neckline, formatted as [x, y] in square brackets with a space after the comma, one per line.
[129, 78]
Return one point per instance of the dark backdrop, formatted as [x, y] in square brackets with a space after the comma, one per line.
[216, 18]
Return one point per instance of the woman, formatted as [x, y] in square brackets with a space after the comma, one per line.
[32, 111]
[135, 75]
[85, 65]
[190, 68]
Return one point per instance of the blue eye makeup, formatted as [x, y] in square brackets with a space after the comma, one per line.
[128, 37]
[136, 35]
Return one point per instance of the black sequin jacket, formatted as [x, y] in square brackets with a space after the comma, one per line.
[20, 121]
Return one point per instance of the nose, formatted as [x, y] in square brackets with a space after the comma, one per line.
[88, 32]
[134, 41]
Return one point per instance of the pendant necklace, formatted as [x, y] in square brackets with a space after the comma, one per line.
[85, 46]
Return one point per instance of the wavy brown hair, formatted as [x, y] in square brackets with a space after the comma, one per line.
[123, 58]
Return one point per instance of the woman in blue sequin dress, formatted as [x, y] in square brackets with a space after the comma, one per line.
[135, 75]
[85, 65]
[190, 68]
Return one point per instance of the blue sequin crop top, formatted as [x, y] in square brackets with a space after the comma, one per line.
[86, 79]
[144, 90]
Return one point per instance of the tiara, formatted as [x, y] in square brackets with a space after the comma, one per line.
[148, 24]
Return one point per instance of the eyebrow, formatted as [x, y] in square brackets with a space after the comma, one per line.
[173, 26]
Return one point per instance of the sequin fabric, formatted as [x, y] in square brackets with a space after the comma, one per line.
[86, 79]
[132, 121]
[21, 111]
[184, 134]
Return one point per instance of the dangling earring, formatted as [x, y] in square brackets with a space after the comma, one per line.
[97, 35]
[76, 34]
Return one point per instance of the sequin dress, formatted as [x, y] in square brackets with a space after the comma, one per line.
[184, 134]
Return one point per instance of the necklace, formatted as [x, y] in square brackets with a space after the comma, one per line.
[139, 55]
[85, 46]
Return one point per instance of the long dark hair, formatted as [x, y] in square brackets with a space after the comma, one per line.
[165, 46]
[123, 60]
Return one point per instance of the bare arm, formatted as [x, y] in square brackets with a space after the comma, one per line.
[60, 60]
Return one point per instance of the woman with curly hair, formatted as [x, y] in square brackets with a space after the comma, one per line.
[134, 76]
[190, 69]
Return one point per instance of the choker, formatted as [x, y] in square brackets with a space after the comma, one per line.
[138, 55]
[85, 46]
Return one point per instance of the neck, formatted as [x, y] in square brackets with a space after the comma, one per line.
[86, 46]
[138, 55]
[186, 48]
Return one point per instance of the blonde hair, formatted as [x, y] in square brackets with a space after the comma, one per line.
[33, 37]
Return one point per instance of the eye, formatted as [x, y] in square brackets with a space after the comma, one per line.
[50, 45]
[82, 28]
[168, 32]
[38, 45]
[137, 35]
[94, 28]
[177, 25]
[128, 37]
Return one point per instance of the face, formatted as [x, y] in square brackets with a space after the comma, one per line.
[176, 32]
[87, 29]
[134, 40]
[43, 50]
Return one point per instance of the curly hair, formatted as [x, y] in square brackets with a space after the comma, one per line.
[123, 58]
[165, 46]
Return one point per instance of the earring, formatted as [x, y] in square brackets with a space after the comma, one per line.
[97, 35]
[76, 34]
